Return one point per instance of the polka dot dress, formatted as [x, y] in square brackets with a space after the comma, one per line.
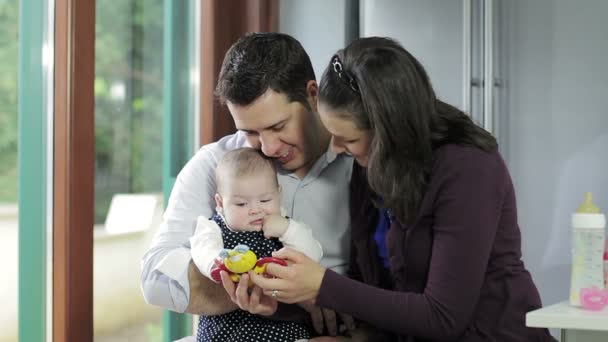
[240, 325]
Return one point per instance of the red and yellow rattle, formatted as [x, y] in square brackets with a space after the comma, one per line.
[241, 260]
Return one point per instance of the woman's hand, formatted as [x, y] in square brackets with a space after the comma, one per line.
[257, 303]
[297, 282]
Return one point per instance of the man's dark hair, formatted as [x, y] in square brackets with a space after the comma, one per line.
[259, 61]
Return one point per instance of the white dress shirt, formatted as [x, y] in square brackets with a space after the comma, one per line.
[320, 200]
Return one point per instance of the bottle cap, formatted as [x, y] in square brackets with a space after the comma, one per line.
[588, 215]
[588, 207]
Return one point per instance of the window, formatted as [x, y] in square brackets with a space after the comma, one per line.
[128, 163]
[9, 28]
[146, 86]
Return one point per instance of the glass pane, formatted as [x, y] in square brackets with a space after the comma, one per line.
[128, 164]
[9, 25]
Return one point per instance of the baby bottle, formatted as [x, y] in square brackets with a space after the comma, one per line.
[588, 235]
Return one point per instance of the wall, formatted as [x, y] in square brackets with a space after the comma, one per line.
[318, 25]
[429, 29]
[555, 124]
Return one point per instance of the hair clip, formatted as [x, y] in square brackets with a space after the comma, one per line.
[338, 69]
[337, 66]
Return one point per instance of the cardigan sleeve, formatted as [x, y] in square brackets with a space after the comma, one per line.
[466, 211]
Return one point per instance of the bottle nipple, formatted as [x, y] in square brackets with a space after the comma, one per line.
[588, 207]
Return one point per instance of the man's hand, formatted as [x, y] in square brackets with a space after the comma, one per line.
[274, 226]
[360, 334]
[257, 303]
[365, 333]
[206, 297]
[321, 316]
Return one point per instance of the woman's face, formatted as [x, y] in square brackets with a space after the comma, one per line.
[345, 136]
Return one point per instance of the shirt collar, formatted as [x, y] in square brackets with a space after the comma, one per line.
[330, 155]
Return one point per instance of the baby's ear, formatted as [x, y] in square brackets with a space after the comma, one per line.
[218, 202]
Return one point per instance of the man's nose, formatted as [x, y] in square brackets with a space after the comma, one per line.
[254, 142]
[270, 144]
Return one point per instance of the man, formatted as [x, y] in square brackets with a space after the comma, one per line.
[268, 83]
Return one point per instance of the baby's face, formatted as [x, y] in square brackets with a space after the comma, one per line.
[247, 200]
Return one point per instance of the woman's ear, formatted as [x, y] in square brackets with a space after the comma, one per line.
[219, 205]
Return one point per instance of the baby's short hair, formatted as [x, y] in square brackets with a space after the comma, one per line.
[241, 162]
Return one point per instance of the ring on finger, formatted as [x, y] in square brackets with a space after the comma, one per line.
[274, 293]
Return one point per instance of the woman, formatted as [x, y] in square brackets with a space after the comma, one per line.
[436, 248]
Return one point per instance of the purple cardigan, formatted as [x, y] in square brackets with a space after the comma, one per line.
[456, 274]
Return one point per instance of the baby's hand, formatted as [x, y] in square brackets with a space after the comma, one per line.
[275, 226]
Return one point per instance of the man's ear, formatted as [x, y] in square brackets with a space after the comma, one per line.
[218, 202]
[312, 90]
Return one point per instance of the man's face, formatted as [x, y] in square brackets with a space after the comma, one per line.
[284, 130]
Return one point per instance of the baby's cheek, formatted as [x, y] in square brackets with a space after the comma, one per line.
[236, 218]
[275, 210]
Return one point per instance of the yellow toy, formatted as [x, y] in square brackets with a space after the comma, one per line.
[241, 260]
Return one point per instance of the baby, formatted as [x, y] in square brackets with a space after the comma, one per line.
[248, 212]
